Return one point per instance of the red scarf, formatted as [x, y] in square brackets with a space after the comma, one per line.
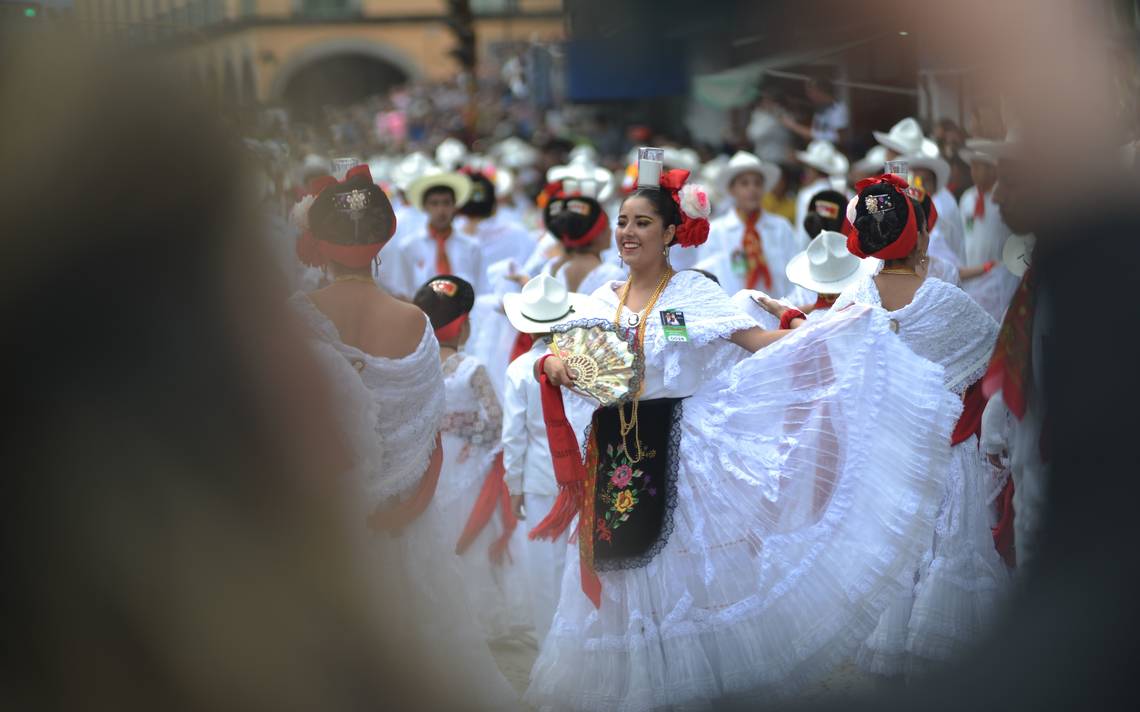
[573, 479]
[754, 253]
[1012, 364]
[823, 303]
[980, 205]
[442, 264]
[493, 494]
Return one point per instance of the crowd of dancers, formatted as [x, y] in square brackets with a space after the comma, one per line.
[833, 455]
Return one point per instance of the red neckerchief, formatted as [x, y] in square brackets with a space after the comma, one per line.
[754, 253]
[1012, 363]
[980, 205]
[442, 263]
[822, 302]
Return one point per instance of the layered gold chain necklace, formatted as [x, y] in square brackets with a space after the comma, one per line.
[639, 343]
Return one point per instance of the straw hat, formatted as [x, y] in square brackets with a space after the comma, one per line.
[827, 267]
[544, 302]
[459, 184]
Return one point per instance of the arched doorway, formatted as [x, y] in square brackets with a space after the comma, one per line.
[338, 73]
[339, 81]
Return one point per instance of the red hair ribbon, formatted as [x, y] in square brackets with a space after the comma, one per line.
[450, 331]
[590, 235]
[905, 243]
[692, 231]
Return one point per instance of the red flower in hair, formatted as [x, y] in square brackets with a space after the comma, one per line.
[693, 205]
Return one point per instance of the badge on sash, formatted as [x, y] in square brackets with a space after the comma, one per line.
[673, 322]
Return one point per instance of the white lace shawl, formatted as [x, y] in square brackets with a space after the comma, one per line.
[407, 397]
[678, 370]
[942, 324]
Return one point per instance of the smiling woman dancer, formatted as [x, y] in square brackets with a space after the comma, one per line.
[731, 544]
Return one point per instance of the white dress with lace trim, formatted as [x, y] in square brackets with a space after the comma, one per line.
[959, 585]
[388, 408]
[471, 433]
[808, 480]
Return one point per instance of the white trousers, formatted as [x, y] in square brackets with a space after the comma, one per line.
[545, 561]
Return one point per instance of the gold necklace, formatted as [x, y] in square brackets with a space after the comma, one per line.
[354, 278]
[639, 343]
[898, 270]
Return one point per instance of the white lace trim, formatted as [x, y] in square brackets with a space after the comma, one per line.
[408, 396]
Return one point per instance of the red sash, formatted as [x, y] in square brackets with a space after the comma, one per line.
[395, 519]
[572, 476]
[493, 494]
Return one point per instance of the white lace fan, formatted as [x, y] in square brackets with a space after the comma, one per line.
[605, 365]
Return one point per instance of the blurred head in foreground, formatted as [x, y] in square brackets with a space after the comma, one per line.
[175, 536]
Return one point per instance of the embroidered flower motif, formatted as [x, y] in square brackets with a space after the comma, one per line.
[621, 476]
[624, 501]
[604, 533]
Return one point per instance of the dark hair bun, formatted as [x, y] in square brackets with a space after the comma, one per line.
[825, 211]
[445, 298]
[482, 201]
[355, 212]
[570, 219]
[883, 225]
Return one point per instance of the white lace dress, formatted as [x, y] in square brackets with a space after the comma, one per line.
[471, 431]
[961, 580]
[806, 486]
[390, 412]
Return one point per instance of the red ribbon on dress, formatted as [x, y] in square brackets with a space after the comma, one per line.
[493, 494]
[970, 421]
[394, 520]
[1003, 531]
[1011, 365]
[754, 253]
[572, 476]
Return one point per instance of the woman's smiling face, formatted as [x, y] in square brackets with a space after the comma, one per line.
[641, 233]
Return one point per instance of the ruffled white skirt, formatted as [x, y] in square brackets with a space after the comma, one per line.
[497, 593]
[958, 586]
[807, 489]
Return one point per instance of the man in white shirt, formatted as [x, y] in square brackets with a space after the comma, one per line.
[530, 480]
[985, 236]
[747, 247]
[831, 118]
[436, 248]
[825, 168]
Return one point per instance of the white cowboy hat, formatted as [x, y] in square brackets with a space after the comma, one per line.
[450, 153]
[827, 267]
[409, 168]
[544, 302]
[972, 155]
[513, 152]
[585, 177]
[1017, 253]
[504, 182]
[459, 184]
[744, 162]
[683, 158]
[904, 138]
[931, 159]
[872, 162]
[583, 152]
[1011, 147]
[824, 157]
